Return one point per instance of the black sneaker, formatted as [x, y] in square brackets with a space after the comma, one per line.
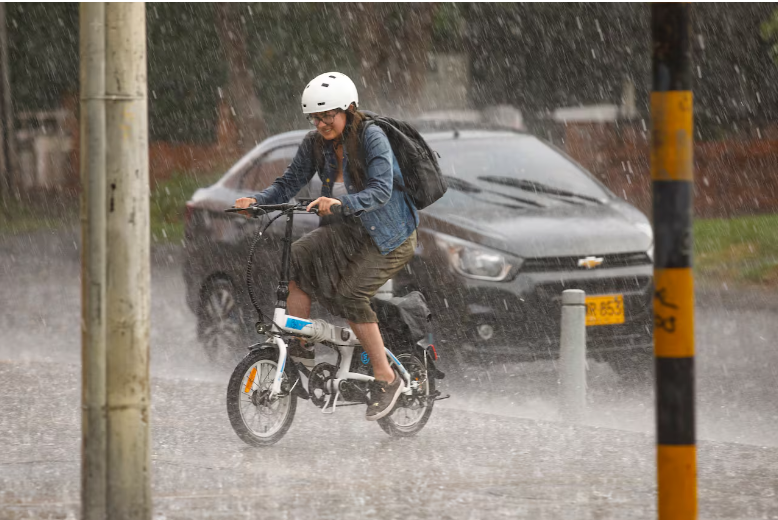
[383, 395]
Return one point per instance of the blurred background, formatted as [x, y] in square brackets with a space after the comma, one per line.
[224, 77]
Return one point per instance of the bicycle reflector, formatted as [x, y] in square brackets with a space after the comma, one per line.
[435, 352]
[250, 382]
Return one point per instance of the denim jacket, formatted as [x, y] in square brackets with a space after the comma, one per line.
[388, 216]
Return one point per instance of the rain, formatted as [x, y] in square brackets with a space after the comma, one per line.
[516, 400]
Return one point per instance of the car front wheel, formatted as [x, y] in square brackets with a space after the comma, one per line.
[219, 323]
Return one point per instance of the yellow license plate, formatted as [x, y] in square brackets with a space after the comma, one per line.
[605, 310]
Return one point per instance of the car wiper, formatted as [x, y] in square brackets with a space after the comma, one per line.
[537, 187]
[459, 184]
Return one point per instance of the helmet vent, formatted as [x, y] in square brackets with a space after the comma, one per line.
[320, 104]
[305, 106]
[325, 84]
[333, 77]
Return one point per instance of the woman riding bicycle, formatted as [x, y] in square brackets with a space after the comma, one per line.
[345, 261]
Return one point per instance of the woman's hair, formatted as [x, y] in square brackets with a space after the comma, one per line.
[351, 141]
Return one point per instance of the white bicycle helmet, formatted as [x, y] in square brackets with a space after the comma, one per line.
[329, 91]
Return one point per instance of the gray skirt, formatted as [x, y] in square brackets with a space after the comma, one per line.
[340, 267]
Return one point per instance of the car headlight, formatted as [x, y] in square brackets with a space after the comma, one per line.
[650, 252]
[475, 261]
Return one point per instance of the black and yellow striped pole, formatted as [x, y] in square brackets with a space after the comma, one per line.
[672, 179]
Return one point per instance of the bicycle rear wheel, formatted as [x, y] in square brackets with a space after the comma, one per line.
[256, 419]
[413, 411]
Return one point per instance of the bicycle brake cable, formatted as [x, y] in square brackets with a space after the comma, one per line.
[257, 238]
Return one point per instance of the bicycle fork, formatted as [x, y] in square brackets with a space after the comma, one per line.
[275, 388]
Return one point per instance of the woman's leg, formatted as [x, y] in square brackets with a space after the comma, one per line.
[368, 277]
[299, 303]
[370, 337]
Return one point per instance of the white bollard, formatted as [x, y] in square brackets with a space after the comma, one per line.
[572, 356]
[386, 291]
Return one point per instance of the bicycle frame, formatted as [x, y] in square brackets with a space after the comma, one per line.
[340, 338]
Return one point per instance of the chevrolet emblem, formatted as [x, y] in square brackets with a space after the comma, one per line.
[590, 262]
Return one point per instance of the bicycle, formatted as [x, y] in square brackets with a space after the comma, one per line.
[262, 399]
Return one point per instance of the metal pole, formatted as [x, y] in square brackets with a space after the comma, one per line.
[572, 355]
[672, 175]
[92, 153]
[128, 298]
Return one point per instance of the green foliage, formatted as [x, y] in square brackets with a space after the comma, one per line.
[290, 44]
[43, 53]
[168, 202]
[738, 250]
[769, 32]
[186, 69]
[185, 64]
[448, 29]
[18, 217]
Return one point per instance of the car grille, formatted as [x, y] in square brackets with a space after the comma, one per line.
[635, 284]
[570, 263]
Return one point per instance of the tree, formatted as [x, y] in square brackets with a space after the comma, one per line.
[186, 72]
[769, 32]
[390, 42]
[240, 85]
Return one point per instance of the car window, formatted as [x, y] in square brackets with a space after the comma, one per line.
[521, 157]
[260, 174]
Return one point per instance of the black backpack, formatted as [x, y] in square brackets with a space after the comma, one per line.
[424, 182]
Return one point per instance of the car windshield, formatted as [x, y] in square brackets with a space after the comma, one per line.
[489, 161]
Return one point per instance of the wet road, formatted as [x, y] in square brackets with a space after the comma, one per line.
[495, 449]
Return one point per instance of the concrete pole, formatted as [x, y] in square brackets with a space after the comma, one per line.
[672, 174]
[572, 356]
[128, 297]
[93, 418]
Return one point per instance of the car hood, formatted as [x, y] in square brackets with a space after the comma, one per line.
[217, 197]
[561, 229]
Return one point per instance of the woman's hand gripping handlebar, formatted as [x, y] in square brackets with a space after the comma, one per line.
[244, 207]
[322, 206]
[326, 206]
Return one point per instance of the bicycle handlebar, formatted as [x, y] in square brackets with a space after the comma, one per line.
[256, 209]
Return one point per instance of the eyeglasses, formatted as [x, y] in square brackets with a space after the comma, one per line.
[326, 117]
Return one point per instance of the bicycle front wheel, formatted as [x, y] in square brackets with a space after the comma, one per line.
[257, 419]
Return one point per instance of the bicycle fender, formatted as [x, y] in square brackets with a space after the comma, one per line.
[427, 352]
[262, 346]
